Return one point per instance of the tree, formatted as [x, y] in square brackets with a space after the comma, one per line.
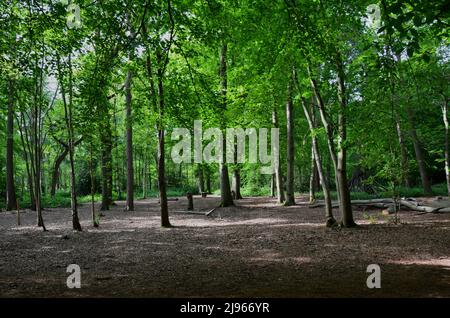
[309, 114]
[68, 107]
[11, 200]
[278, 174]
[129, 139]
[225, 191]
[290, 200]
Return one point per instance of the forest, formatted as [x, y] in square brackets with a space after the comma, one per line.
[351, 98]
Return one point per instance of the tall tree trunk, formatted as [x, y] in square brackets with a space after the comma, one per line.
[118, 170]
[237, 184]
[11, 199]
[106, 141]
[272, 185]
[310, 117]
[345, 204]
[447, 143]
[55, 172]
[404, 154]
[57, 164]
[290, 199]
[106, 166]
[312, 189]
[91, 175]
[43, 187]
[70, 132]
[73, 196]
[161, 155]
[37, 165]
[225, 190]
[31, 191]
[27, 158]
[316, 179]
[208, 180]
[200, 178]
[426, 184]
[37, 144]
[75, 220]
[327, 126]
[278, 173]
[144, 176]
[129, 147]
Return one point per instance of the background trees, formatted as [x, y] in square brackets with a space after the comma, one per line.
[87, 110]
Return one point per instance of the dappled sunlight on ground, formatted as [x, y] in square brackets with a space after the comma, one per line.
[256, 249]
[445, 262]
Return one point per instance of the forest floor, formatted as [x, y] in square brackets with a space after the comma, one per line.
[256, 249]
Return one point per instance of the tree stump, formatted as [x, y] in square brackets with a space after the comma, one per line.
[190, 201]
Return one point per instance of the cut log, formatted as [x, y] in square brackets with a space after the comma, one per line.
[409, 203]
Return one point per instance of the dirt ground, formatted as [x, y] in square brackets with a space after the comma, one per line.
[257, 249]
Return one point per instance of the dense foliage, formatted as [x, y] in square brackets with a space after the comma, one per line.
[377, 72]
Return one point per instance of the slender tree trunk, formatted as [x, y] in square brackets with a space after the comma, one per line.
[225, 190]
[200, 178]
[278, 173]
[55, 172]
[426, 184]
[327, 126]
[129, 147]
[43, 187]
[310, 117]
[69, 126]
[31, 190]
[272, 185]
[144, 177]
[290, 199]
[11, 199]
[316, 180]
[106, 164]
[208, 180]
[75, 220]
[312, 189]
[27, 159]
[161, 155]
[57, 164]
[328, 172]
[346, 204]
[118, 170]
[404, 154]
[36, 146]
[37, 168]
[447, 143]
[91, 174]
[237, 184]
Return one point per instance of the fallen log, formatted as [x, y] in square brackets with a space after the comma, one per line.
[424, 208]
[335, 204]
[170, 199]
[210, 211]
[409, 203]
[190, 212]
